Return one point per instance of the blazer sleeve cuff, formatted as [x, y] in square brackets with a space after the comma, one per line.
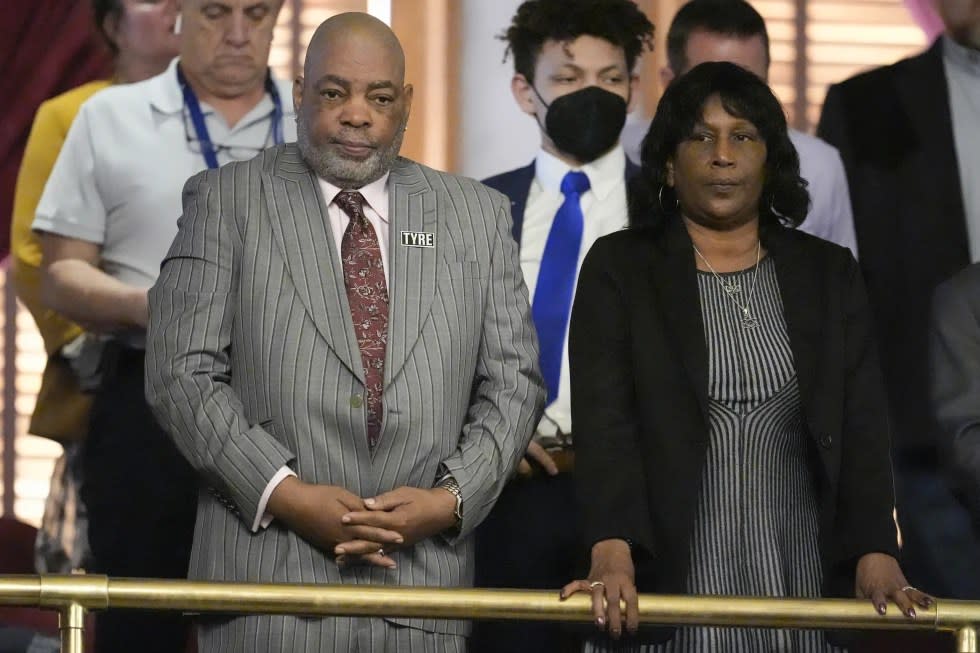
[247, 464]
[262, 517]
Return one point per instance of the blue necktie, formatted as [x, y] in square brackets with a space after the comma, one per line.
[556, 279]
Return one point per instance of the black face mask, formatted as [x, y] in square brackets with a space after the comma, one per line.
[585, 123]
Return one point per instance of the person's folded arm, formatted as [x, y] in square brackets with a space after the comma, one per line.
[866, 494]
[609, 470]
[508, 392]
[188, 363]
[74, 286]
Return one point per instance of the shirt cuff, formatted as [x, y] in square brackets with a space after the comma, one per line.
[262, 518]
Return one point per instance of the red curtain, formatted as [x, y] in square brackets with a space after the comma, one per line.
[46, 47]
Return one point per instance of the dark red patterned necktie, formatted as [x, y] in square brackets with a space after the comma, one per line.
[367, 294]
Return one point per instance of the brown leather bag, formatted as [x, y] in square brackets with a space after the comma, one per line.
[62, 409]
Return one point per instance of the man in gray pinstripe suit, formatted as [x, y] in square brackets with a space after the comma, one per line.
[340, 449]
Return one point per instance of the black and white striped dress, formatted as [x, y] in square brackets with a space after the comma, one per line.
[756, 529]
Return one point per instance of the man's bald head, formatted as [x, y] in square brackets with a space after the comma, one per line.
[352, 103]
[360, 29]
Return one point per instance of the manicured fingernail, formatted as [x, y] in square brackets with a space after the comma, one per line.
[339, 551]
[561, 595]
[912, 612]
[600, 621]
[882, 608]
[345, 518]
[399, 540]
[369, 502]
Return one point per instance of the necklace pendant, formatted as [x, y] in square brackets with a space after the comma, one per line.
[749, 322]
[731, 287]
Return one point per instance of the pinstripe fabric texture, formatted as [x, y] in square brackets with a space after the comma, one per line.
[252, 364]
[357, 635]
[756, 530]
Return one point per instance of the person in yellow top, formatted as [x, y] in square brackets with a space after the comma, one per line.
[141, 35]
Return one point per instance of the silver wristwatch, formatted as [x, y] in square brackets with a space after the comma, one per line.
[448, 483]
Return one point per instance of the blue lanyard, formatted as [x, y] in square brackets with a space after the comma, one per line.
[208, 150]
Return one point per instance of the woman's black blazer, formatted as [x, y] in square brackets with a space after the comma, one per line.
[639, 379]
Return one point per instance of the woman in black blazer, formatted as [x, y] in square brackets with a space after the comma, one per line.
[728, 406]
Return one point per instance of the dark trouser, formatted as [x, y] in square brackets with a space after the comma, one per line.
[530, 540]
[141, 497]
[942, 548]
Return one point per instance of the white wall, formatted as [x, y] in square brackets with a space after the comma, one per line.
[494, 135]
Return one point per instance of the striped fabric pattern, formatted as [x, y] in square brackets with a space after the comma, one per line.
[756, 530]
[252, 364]
[342, 634]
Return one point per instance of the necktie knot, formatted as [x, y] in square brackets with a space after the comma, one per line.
[350, 202]
[575, 182]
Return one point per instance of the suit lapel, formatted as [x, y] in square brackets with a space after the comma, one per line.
[674, 278]
[520, 189]
[299, 221]
[412, 274]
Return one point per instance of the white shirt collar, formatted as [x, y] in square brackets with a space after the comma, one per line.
[166, 95]
[604, 174]
[164, 91]
[964, 58]
[375, 194]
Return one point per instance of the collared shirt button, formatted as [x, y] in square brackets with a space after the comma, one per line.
[356, 401]
[826, 441]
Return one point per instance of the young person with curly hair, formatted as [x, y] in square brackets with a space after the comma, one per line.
[574, 75]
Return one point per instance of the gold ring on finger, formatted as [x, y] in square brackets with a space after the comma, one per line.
[596, 583]
[381, 551]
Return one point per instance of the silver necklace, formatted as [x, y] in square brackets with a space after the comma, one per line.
[732, 288]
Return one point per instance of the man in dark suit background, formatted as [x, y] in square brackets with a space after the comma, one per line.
[573, 73]
[954, 356]
[909, 140]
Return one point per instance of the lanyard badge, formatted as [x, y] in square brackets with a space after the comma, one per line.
[208, 150]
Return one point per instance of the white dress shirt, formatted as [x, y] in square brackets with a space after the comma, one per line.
[962, 68]
[376, 211]
[604, 211]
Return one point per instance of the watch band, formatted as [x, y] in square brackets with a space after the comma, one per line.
[449, 484]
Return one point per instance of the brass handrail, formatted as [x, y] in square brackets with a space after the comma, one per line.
[73, 595]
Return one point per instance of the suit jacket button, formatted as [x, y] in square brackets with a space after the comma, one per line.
[826, 441]
[356, 401]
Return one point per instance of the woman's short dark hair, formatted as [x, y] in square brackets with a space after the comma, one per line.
[102, 9]
[743, 95]
[618, 21]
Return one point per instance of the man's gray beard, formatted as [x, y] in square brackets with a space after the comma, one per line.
[344, 173]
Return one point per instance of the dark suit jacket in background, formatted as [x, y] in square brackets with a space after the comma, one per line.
[516, 185]
[954, 347]
[640, 401]
[893, 128]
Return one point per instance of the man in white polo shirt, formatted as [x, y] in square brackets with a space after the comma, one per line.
[107, 217]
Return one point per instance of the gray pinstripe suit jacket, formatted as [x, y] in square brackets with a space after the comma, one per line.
[252, 363]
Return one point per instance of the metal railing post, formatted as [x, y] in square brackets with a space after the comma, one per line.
[71, 624]
[966, 640]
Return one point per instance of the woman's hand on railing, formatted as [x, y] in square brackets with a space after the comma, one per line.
[879, 578]
[612, 578]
